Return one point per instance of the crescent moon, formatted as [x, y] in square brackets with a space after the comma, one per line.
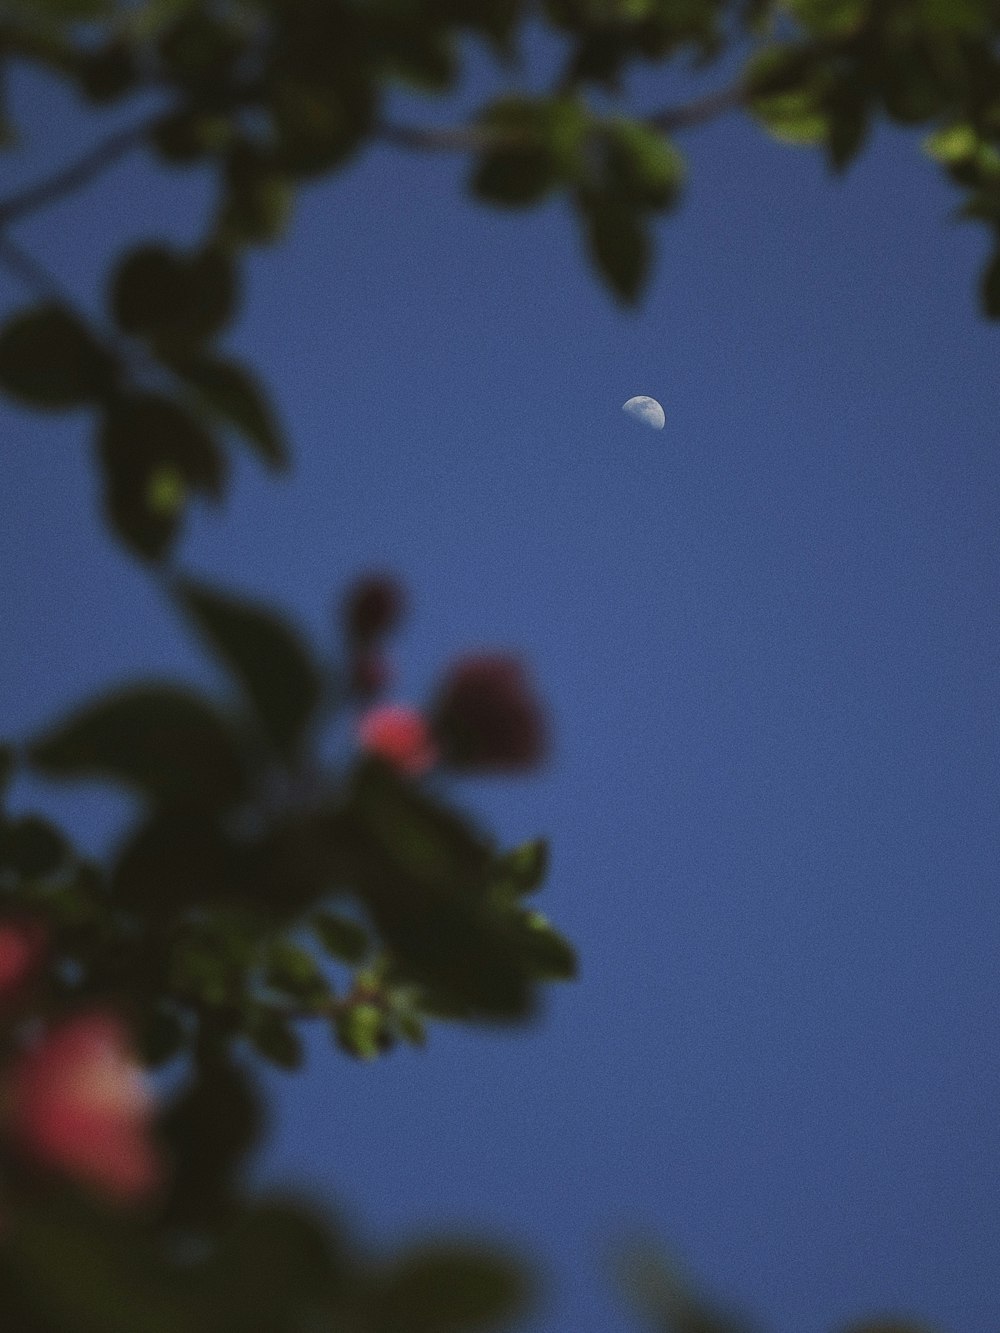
[645, 409]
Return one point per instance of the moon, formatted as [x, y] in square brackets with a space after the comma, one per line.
[645, 409]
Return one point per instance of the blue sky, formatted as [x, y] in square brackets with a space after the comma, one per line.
[767, 637]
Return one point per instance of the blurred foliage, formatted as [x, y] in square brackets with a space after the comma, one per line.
[262, 885]
[269, 94]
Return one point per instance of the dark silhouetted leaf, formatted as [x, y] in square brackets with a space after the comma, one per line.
[276, 1267]
[273, 1036]
[180, 858]
[341, 937]
[173, 299]
[231, 393]
[449, 1289]
[258, 199]
[265, 657]
[618, 243]
[168, 743]
[153, 453]
[48, 359]
[551, 957]
[642, 164]
[31, 847]
[294, 970]
[210, 1128]
[526, 867]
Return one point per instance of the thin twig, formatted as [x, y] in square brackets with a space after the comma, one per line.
[698, 112]
[31, 272]
[74, 176]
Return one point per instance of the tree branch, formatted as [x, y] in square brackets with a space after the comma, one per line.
[467, 138]
[74, 176]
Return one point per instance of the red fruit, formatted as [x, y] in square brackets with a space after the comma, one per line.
[78, 1104]
[399, 735]
[487, 717]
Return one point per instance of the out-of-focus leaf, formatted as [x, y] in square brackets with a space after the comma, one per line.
[153, 452]
[643, 164]
[258, 198]
[273, 1036]
[233, 394]
[658, 1292]
[210, 1128]
[175, 300]
[179, 858]
[108, 72]
[166, 742]
[276, 1268]
[291, 968]
[526, 867]
[551, 956]
[341, 937]
[533, 145]
[7, 760]
[359, 1028]
[48, 359]
[31, 847]
[617, 241]
[80, 1273]
[449, 1289]
[266, 658]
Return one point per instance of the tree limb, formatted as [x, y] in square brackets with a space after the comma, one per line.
[473, 137]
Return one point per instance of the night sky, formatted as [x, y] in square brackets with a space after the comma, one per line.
[767, 637]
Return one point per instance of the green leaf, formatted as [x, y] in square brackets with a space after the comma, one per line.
[258, 199]
[153, 452]
[172, 299]
[551, 956]
[359, 1030]
[293, 969]
[448, 1289]
[661, 1295]
[264, 656]
[231, 392]
[411, 1026]
[274, 1269]
[526, 867]
[275, 1039]
[48, 359]
[955, 143]
[514, 177]
[643, 164]
[167, 743]
[341, 937]
[617, 241]
[536, 145]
